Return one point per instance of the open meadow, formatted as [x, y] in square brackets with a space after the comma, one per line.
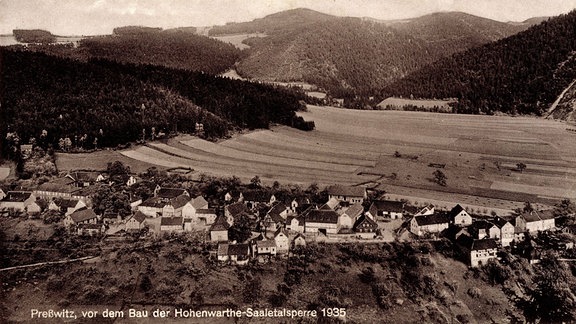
[394, 151]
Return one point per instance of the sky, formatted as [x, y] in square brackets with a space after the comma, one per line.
[96, 17]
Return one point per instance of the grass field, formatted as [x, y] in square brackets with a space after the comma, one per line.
[353, 147]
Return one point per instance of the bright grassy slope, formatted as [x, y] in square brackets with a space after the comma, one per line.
[354, 147]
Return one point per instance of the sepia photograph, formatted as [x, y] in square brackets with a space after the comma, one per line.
[287, 161]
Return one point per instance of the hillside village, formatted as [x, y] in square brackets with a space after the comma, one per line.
[253, 222]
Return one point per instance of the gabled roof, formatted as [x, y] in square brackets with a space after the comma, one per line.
[532, 216]
[170, 193]
[332, 203]
[156, 202]
[388, 206]
[484, 244]
[437, 218]
[278, 208]
[139, 216]
[339, 190]
[179, 201]
[280, 231]
[66, 203]
[265, 244]
[220, 224]
[500, 222]
[83, 215]
[428, 210]
[239, 249]
[17, 196]
[299, 235]
[322, 216]
[455, 211]
[354, 210]
[481, 224]
[262, 196]
[199, 202]
[171, 221]
[365, 220]
[83, 176]
[236, 208]
[61, 185]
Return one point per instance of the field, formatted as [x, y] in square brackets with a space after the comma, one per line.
[479, 155]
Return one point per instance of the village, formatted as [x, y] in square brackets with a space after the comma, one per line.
[254, 222]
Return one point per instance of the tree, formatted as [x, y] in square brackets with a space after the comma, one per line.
[242, 228]
[521, 167]
[440, 178]
[118, 172]
[255, 182]
[565, 211]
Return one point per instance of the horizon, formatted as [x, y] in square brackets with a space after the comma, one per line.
[100, 17]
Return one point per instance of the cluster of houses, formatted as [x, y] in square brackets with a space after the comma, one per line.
[479, 239]
[282, 225]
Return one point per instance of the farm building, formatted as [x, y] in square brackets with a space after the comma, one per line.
[83, 179]
[169, 193]
[295, 223]
[366, 227]
[67, 206]
[265, 247]
[233, 210]
[435, 223]
[299, 204]
[82, 216]
[321, 221]
[349, 216]
[253, 198]
[219, 230]
[535, 221]
[58, 188]
[482, 229]
[386, 209]
[171, 224]
[351, 195]
[235, 253]
[506, 231]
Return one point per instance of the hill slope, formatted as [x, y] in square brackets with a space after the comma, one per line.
[520, 74]
[353, 55]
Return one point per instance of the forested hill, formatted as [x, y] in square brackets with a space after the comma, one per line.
[349, 56]
[178, 48]
[113, 102]
[521, 74]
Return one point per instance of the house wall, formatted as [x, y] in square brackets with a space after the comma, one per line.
[282, 243]
[171, 228]
[463, 219]
[315, 227]
[300, 241]
[506, 234]
[150, 211]
[345, 221]
[133, 224]
[434, 228]
[219, 236]
[51, 194]
[480, 257]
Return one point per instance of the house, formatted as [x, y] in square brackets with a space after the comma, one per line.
[282, 241]
[219, 230]
[35, 207]
[233, 210]
[160, 206]
[253, 198]
[349, 216]
[332, 203]
[82, 216]
[477, 252]
[82, 179]
[299, 204]
[352, 195]
[380, 209]
[66, 206]
[535, 221]
[110, 217]
[136, 222]
[204, 216]
[295, 223]
[321, 221]
[171, 224]
[276, 217]
[238, 254]
[90, 229]
[17, 200]
[434, 223]
[173, 208]
[265, 247]
[366, 227]
[193, 205]
[459, 216]
[299, 240]
[506, 230]
[58, 188]
[134, 203]
[483, 229]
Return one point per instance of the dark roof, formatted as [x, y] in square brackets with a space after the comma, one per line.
[82, 215]
[62, 185]
[169, 193]
[322, 216]
[205, 211]
[481, 224]
[220, 224]
[500, 222]
[238, 249]
[265, 243]
[170, 221]
[66, 203]
[139, 216]
[199, 202]
[17, 196]
[153, 202]
[179, 201]
[84, 176]
[302, 200]
[437, 218]
[262, 196]
[532, 216]
[365, 222]
[278, 208]
[280, 230]
[236, 208]
[388, 206]
[476, 245]
[339, 190]
[455, 211]
[354, 210]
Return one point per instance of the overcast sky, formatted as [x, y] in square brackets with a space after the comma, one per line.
[91, 17]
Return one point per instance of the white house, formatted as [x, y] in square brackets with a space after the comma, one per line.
[380, 209]
[459, 216]
[282, 241]
[136, 222]
[506, 231]
[535, 221]
[435, 223]
[17, 200]
[321, 221]
[478, 252]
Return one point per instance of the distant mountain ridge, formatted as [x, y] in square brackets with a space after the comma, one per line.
[348, 56]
